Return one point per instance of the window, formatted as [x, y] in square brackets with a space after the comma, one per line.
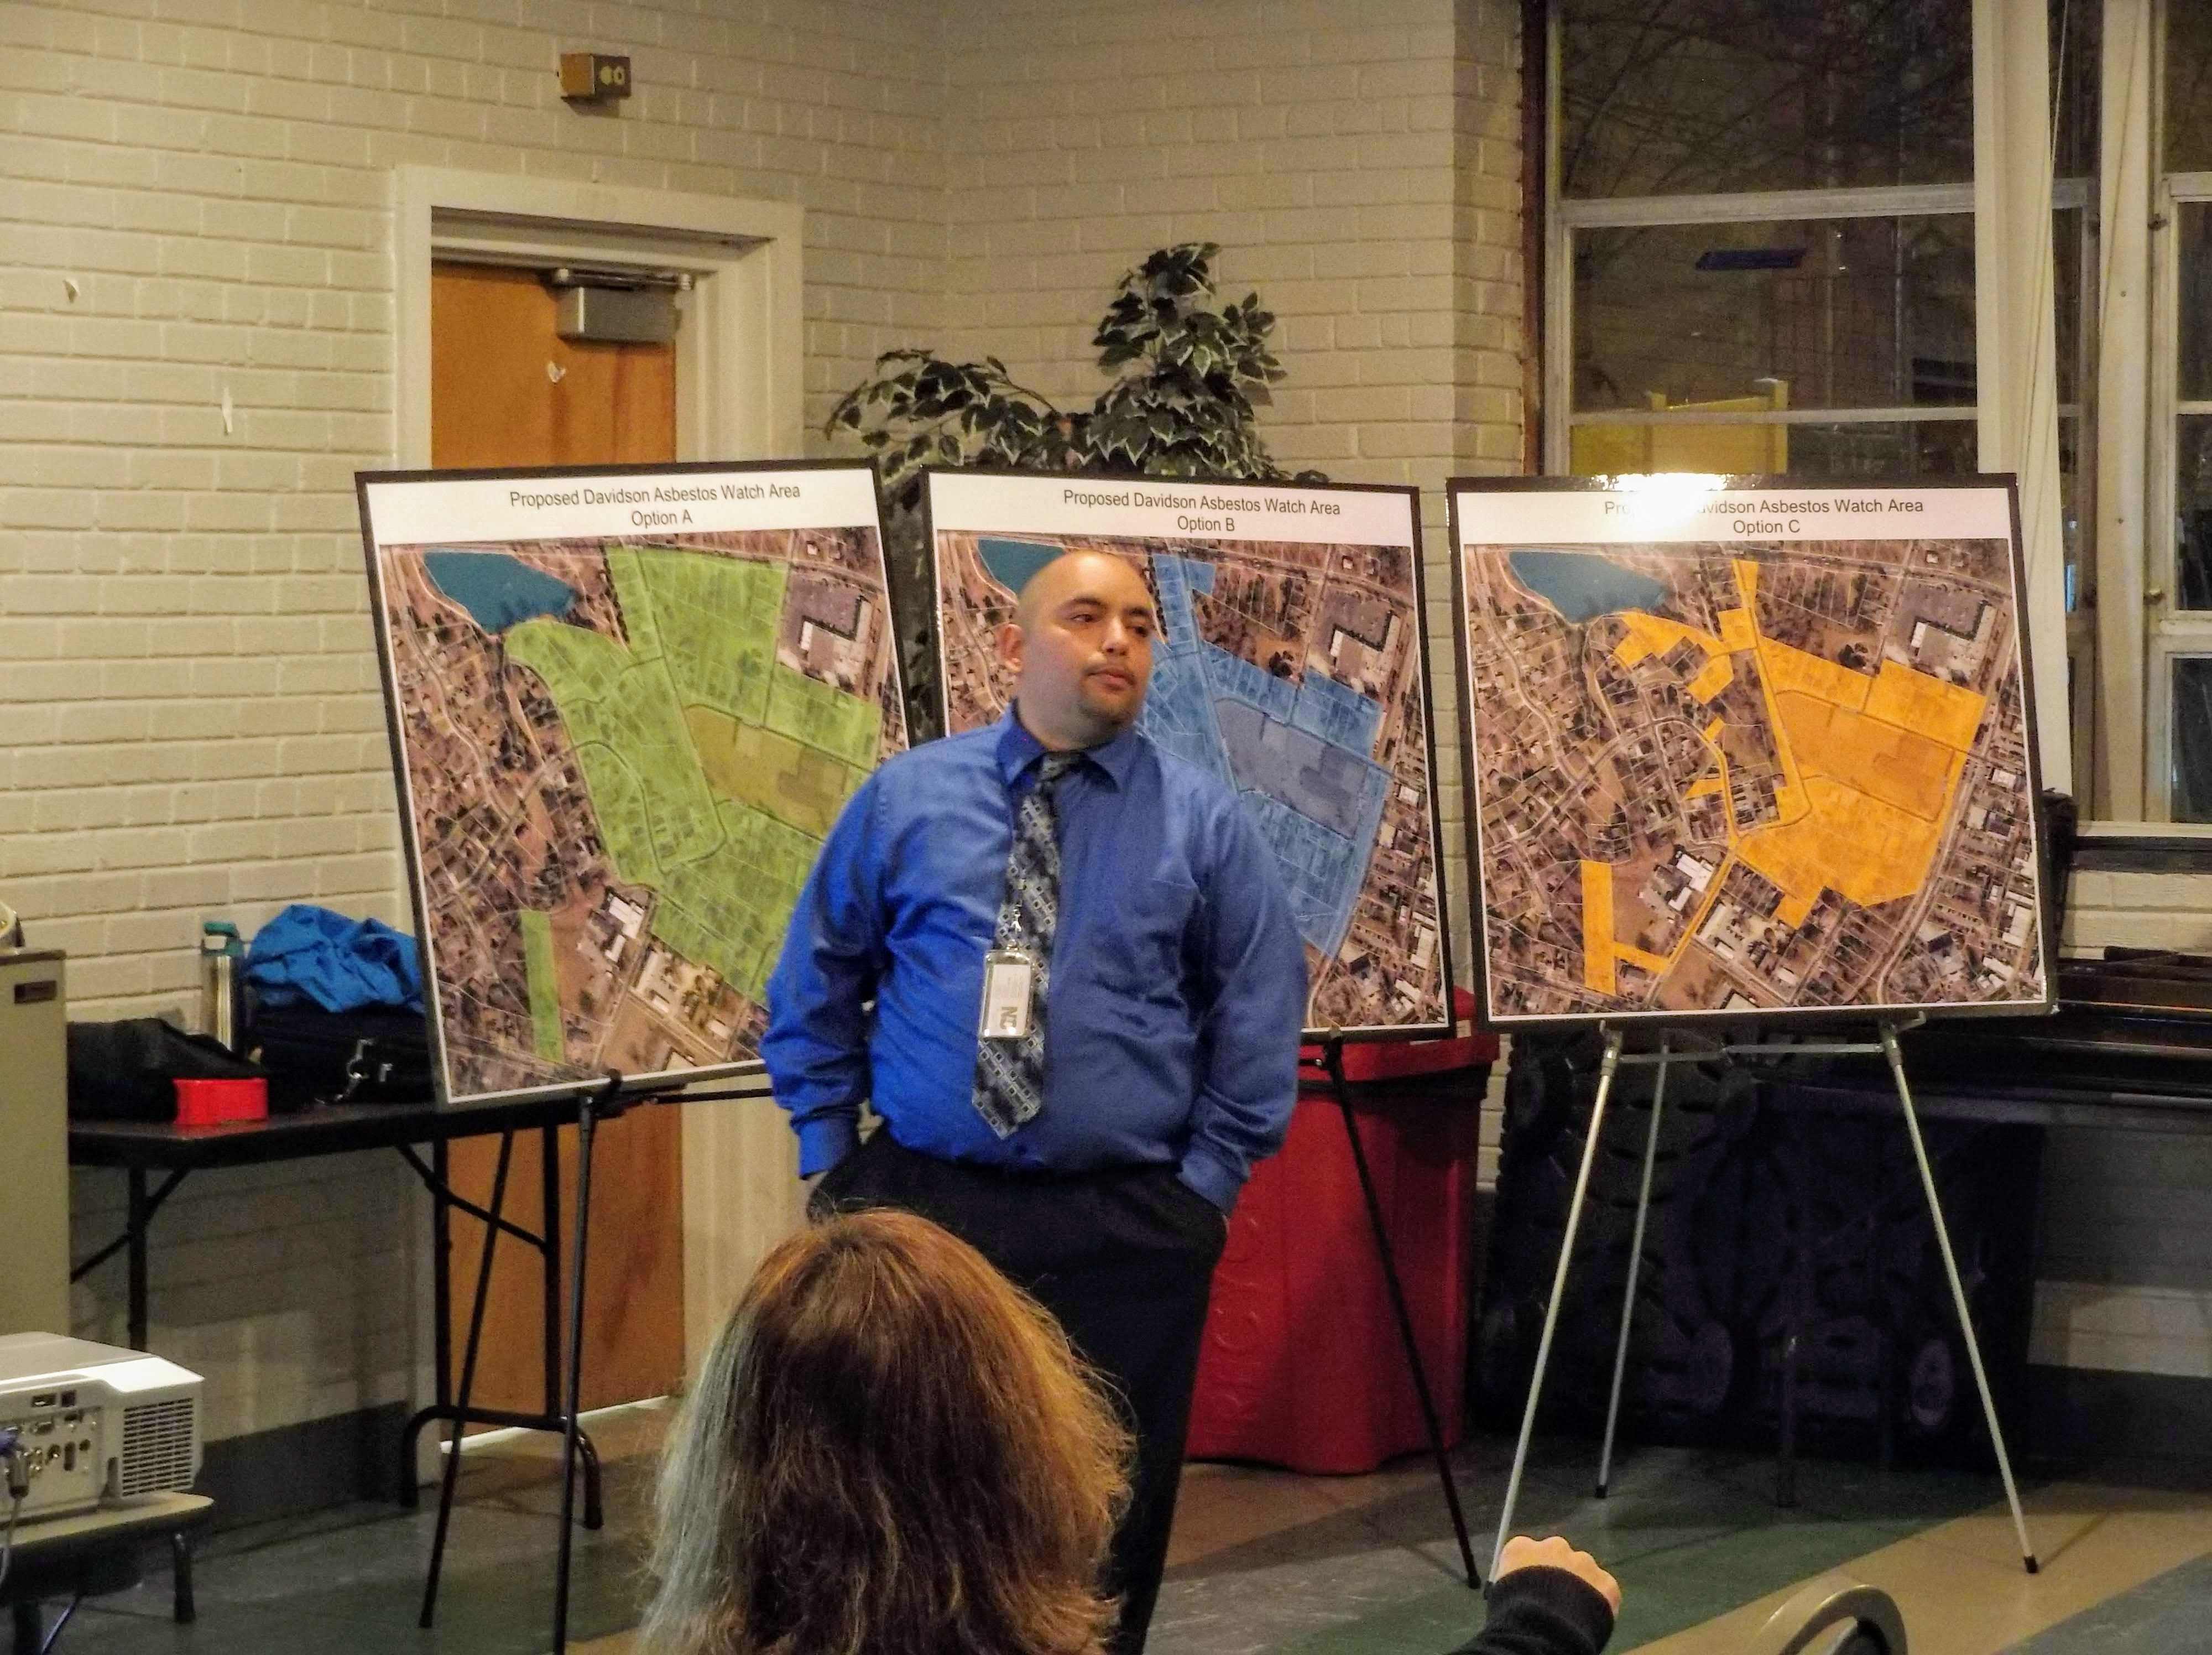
[1842, 348]
[1662, 97]
[1761, 255]
[2178, 600]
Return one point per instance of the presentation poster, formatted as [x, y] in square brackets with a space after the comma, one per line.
[626, 705]
[1290, 664]
[1745, 748]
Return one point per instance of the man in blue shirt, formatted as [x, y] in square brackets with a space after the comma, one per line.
[1062, 966]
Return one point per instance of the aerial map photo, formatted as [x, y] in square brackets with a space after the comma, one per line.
[1292, 671]
[621, 756]
[1751, 777]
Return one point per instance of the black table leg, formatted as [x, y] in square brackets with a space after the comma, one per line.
[441, 1286]
[1798, 1319]
[549, 1185]
[453, 1468]
[30, 1627]
[442, 1318]
[141, 1216]
[180, 1552]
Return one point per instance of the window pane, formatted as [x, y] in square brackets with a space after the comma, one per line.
[2192, 739]
[2188, 87]
[2077, 33]
[2067, 228]
[1675, 97]
[2072, 528]
[2193, 230]
[1886, 452]
[1859, 313]
[2192, 512]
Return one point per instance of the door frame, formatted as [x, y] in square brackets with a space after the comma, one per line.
[740, 389]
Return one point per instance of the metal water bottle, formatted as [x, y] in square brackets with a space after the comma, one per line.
[222, 963]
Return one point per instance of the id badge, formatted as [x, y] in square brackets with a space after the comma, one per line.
[1007, 976]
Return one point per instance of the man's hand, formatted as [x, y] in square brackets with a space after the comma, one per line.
[1523, 1553]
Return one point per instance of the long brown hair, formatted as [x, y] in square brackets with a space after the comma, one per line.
[891, 1450]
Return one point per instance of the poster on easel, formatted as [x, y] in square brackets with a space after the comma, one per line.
[1291, 664]
[625, 705]
[1738, 747]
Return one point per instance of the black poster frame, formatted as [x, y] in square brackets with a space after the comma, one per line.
[1447, 1024]
[410, 846]
[1800, 1017]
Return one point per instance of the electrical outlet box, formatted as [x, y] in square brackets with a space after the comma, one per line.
[593, 77]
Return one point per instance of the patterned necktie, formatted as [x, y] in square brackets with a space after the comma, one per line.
[1010, 1073]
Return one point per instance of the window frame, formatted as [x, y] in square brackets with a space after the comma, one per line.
[2170, 633]
[1647, 212]
[1565, 218]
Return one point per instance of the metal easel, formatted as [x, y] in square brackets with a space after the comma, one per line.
[608, 1100]
[1885, 1046]
[1332, 1064]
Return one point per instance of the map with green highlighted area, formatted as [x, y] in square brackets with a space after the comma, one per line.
[621, 756]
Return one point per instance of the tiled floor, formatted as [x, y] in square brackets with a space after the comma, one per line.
[1265, 1560]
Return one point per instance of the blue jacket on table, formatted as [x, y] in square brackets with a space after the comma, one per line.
[1177, 987]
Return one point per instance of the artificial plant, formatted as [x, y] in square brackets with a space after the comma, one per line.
[1187, 380]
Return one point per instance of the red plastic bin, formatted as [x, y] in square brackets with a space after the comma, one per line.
[217, 1102]
[1302, 1365]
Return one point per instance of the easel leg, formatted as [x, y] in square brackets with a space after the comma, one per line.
[1635, 1265]
[1333, 1057]
[572, 1399]
[1608, 1066]
[451, 1480]
[1957, 1291]
[593, 1510]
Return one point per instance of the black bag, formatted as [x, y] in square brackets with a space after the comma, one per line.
[127, 1071]
[374, 1055]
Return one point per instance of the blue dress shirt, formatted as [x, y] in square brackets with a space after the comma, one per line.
[1178, 978]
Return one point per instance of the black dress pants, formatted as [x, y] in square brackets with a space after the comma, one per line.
[1124, 1257]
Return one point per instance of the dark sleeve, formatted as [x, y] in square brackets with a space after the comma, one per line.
[1541, 1611]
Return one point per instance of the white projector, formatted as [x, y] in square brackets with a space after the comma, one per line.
[96, 1423]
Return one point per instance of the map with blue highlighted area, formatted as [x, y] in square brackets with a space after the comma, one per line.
[1293, 672]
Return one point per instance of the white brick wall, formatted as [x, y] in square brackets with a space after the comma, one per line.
[196, 355]
[196, 323]
[195, 330]
[2139, 910]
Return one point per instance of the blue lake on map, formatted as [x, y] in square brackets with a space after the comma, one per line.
[1583, 586]
[498, 591]
[1013, 562]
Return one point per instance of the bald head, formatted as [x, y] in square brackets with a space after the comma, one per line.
[1080, 644]
[1073, 571]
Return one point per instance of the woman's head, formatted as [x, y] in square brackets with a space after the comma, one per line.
[891, 1450]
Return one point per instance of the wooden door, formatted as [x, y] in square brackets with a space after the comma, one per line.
[506, 390]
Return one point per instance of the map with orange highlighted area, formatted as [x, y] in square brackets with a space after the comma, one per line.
[1749, 777]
